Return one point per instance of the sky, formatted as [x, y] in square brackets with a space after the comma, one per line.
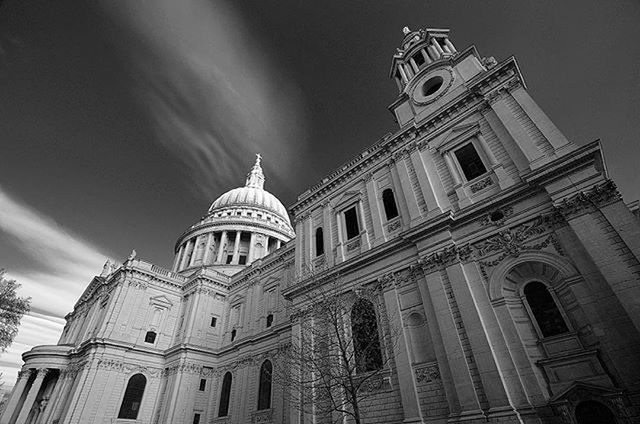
[122, 120]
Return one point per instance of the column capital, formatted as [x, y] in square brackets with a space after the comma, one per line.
[24, 373]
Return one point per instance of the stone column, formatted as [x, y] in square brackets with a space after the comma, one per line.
[425, 184]
[341, 235]
[252, 242]
[16, 395]
[223, 240]
[183, 261]
[192, 316]
[176, 261]
[470, 325]
[455, 355]
[31, 396]
[610, 243]
[408, 392]
[407, 189]
[278, 243]
[364, 235]
[207, 247]
[266, 245]
[236, 246]
[58, 397]
[539, 118]
[485, 320]
[378, 233]
[453, 170]
[194, 251]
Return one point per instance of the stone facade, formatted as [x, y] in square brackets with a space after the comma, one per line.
[502, 252]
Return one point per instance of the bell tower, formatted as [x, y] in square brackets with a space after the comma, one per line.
[429, 71]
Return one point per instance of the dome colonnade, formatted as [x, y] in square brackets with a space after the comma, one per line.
[241, 226]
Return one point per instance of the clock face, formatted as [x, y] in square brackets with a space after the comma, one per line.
[432, 86]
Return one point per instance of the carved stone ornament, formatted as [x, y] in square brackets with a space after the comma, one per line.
[495, 95]
[484, 183]
[265, 416]
[586, 201]
[511, 241]
[427, 374]
[445, 257]
[489, 62]
[353, 245]
[394, 226]
[497, 217]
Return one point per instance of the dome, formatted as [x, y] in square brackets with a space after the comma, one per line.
[243, 225]
[252, 197]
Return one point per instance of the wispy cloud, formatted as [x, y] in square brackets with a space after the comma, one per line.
[61, 266]
[214, 95]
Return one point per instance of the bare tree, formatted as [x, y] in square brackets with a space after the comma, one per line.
[12, 308]
[340, 354]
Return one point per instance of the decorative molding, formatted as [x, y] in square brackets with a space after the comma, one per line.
[427, 373]
[353, 245]
[484, 183]
[445, 257]
[265, 416]
[495, 95]
[490, 217]
[511, 241]
[137, 284]
[391, 227]
[588, 201]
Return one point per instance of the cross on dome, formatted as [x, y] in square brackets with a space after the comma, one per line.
[255, 178]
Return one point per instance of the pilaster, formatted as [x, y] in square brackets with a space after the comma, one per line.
[527, 145]
[407, 189]
[408, 390]
[439, 292]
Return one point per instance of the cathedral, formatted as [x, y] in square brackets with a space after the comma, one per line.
[500, 250]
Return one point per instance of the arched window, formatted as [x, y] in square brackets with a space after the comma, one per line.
[225, 395]
[319, 242]
[389, 202]
[264, 388]
[132, 397]
[364, 330]
[544, 309]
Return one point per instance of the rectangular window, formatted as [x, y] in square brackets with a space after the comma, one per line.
[214, 321]
[242, 260]
[229, 259]
[470, 162]
[196, 419]
[351, 223]
[203, 384]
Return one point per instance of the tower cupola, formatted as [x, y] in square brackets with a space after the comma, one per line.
[418, 50]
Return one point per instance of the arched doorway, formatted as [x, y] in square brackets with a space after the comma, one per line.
[592, 412]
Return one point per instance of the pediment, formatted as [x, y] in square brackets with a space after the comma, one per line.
[578, 386]
[162, 301]
[458, 134]
[347, 197]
